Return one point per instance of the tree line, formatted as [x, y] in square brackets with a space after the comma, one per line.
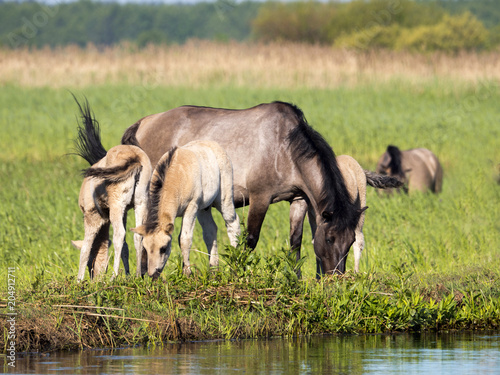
[396, 24]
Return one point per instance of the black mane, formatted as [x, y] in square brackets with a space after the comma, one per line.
[155, 190]
[88, 142]
[395, 163]
[306, 143]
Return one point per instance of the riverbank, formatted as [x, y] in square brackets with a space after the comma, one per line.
[263, 301]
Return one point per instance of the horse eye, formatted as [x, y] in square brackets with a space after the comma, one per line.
[163, 249]
[329, 241]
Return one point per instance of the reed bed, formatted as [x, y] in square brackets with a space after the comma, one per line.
[207, 64]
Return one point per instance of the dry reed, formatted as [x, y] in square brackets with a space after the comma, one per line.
[203, 64]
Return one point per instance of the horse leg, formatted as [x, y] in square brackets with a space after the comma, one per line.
[359, 243]
[118, 219]
[225, 201]
[186, 237]
[312, 222]
[209, 235]
[357, 248]
[98, 260]
[125, 249]
[298, 209]
[226, 208]
[93, 225]
[140, 209]
[256, 214]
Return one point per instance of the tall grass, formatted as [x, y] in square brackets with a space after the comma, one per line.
[458, 228]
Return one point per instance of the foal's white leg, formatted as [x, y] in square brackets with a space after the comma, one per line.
[232, 224]
[209, 235]
[225, 201]
[357, 247]
[226, 208]
[140, 216]
[91, 230]
[118, 219]
[186, 236]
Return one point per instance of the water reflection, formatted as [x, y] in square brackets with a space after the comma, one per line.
[382, 354]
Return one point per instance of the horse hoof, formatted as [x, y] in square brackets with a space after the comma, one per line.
[187, 270]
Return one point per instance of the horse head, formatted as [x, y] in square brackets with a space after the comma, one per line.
[158, 245]
[332, 240]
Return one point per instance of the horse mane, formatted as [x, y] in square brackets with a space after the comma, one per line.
[395, 163]
[88, 143]
[129, 137]
[155, 189]
[305, 144]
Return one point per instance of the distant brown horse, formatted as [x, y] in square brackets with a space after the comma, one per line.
[418, 168]
[187, 182]
[276, 157]
[117, 181]
[356, 180]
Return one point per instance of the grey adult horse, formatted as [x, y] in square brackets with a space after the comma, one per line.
[418, 168]
[276, 155]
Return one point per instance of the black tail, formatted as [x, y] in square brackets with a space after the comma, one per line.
[113, 175]
[380, 181]
[88, 143]
[129, 137]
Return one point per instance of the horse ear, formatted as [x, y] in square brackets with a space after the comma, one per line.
[327, 215]
[169, 229]
[139, 230]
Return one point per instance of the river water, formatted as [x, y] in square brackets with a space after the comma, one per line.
[453, 353]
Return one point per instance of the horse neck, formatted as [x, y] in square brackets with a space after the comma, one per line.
[167, 217]
[169, 208]
[314, 185]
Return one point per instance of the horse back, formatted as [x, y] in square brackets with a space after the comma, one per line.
[193, 177]
[424, 169]
[354, 177]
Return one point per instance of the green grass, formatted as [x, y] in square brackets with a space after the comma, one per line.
[421, 241]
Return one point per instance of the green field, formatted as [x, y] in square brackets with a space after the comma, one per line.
[436, 244]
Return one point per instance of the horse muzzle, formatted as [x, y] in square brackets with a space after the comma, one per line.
[155, 275]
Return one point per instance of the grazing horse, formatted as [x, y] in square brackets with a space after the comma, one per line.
[187, 182]
[116, 181]
[276, 155]
[355, 179]
[418, 168]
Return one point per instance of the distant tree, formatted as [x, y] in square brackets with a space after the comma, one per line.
[151, 37]
[299, 21]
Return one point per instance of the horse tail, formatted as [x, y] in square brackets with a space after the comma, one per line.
[438, 179]
[395, 164]
[88, 143]
[116, 174]
[380, 181]
[129, 137]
